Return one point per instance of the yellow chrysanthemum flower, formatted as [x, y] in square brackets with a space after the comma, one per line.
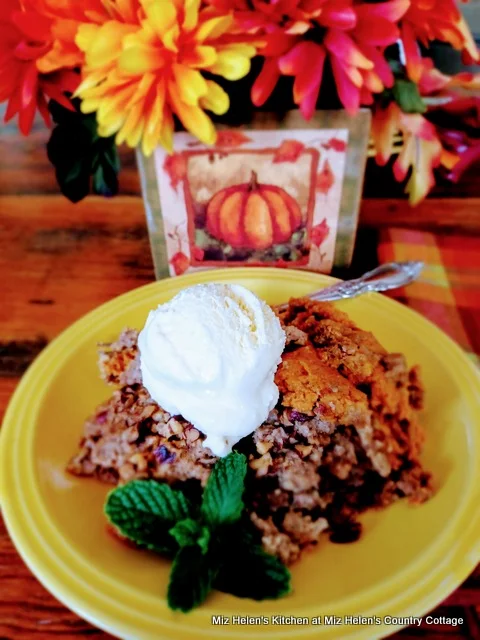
[145, 63]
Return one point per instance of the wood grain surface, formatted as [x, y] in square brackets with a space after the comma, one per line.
[59, 260]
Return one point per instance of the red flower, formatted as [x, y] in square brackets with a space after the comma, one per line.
[301, 35]
[427, 20]
[25, 39]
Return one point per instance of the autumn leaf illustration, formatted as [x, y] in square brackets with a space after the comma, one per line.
[180, 263]
[325, 178]
[175, 166]
[288, 151]
[320, 232]
[231, 138]
[336, 144]
[198, 253]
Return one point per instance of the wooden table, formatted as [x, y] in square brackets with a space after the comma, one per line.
[59, 260]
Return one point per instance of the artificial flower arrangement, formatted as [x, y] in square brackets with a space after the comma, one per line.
[109, 72]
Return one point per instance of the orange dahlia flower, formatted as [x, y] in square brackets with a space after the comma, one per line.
[145, 64]
[428, 20]
[302, 34]
[26, 39]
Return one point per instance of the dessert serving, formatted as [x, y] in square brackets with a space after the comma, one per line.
[322, 420]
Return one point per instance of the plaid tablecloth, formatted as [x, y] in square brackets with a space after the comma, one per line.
[448, 290]
[448, 293]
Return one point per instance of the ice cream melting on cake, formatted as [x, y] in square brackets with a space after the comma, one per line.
[210, 355]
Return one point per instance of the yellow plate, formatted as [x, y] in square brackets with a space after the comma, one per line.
[408, 559]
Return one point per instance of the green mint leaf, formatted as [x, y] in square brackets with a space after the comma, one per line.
[191, 578]
[144, 511]
[190, 532]
[408, 97]
[249, 572]
[222, 498]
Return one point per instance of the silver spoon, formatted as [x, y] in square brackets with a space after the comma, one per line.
[383, 278]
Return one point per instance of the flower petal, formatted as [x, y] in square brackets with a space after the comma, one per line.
[294, 61]
[377, 31]
[214, 28]
[348, 93]
[344, 48]
[412, 52]
[201, 57]
[339, 15]
[193, 118]
[427, 156]
[191, 14]
[35, 26]
[132, 128]
[381, 66]
[29, 85]
[90, 81]
[216, 100]
[391, 11]
[310, 77]
[385, 124]
[140, 60]
[191, 85]
[417, 125]
[469, 43]
[154, 120]
[231, 65]
[106, 44]
[372, 82]
[166, 132]
[161, 16]
[265, 82]
[404, 160]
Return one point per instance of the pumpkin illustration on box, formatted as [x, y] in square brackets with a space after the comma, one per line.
[257, 197]
[250, 222]
[253, 216]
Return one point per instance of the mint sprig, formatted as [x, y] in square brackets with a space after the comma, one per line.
[191, 532]
[212, 544]
[144, 511]
[191, 579]
[222, 499]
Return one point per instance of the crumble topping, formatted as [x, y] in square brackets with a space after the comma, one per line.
[345, 435]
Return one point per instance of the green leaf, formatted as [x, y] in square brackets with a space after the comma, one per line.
[190, 532]
[222, 498]
[111, 157]
[191, 578]
[78, 153]
[396, 66]
[249, 572]
[144, 511]
[407, 97]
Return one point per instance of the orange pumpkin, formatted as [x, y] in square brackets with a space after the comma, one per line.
[252, 215]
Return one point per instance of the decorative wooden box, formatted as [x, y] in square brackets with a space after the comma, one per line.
[273, 193]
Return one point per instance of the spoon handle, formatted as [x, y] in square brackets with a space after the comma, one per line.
[383, 278]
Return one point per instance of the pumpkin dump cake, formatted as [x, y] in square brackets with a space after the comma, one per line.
[343, 437]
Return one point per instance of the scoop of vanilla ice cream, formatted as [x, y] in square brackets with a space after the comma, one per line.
[210, 355]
